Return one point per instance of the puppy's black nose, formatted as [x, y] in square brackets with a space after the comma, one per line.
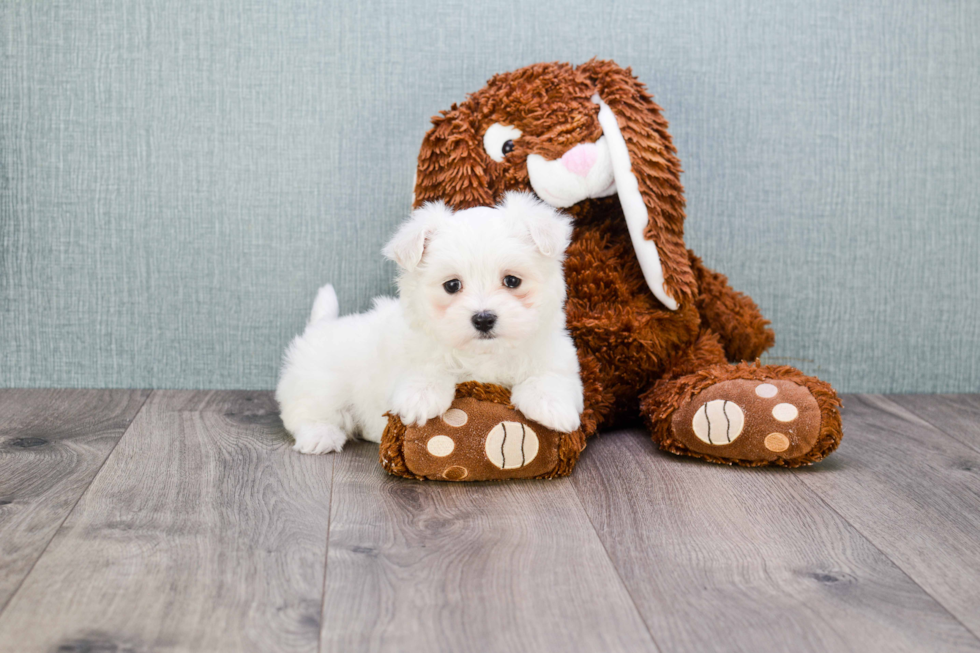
[484, 321]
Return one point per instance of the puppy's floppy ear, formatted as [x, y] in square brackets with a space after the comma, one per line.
[550, 230]
[408, 244]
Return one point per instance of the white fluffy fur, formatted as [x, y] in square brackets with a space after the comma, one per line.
[407, 355]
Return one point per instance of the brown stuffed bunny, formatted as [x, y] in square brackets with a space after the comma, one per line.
[659, 335]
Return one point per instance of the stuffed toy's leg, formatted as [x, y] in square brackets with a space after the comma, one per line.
[733, 316]
[743, 414]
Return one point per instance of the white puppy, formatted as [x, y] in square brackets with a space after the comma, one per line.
[481, 298]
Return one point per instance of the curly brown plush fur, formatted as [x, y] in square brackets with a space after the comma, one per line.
[638, 357]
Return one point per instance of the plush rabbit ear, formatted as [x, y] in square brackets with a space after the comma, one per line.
[451, 165]
[647, 174]
[408, 245]
[550, 230]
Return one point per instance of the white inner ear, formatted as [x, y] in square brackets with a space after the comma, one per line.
[634, 209]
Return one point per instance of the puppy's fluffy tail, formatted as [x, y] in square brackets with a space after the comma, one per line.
[325, 307]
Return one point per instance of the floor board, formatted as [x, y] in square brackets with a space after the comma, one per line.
[423, 566]
[914, 492]
[52, 443]
[202, 532]
[958, 416]
[731, 559]
[196, 528]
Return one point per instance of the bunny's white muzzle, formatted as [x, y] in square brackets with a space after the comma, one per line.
[601, 169]
[582, 172]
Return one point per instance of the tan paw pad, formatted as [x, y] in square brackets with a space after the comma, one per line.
[455, 417]
[785, 412]
[440, 446]
[766, 390]
[511, 445]
[777, 442]
[455, 473]
[718, 422]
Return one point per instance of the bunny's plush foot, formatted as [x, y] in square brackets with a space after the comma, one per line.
[745, 415]
[482, 437]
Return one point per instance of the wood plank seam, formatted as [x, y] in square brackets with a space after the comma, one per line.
[77, 499]
[812, 580]
[612, 563]
[871, 543]
[202, 532]
[867, 538]
[929, 422]
[326, 555]
[425, 566]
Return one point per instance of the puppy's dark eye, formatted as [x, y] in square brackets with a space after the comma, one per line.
[453, 286]
[508, 147]
[511, 281]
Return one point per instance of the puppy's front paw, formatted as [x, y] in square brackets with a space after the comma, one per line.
[319, 437]
[553, 407]
[418, 401]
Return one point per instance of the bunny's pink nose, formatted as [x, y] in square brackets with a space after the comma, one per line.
[581, 158]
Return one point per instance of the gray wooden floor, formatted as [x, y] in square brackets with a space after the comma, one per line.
[181, 521]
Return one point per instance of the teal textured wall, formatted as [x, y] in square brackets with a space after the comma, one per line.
[178, 178]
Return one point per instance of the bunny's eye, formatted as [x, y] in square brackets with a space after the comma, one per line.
[498, 140]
